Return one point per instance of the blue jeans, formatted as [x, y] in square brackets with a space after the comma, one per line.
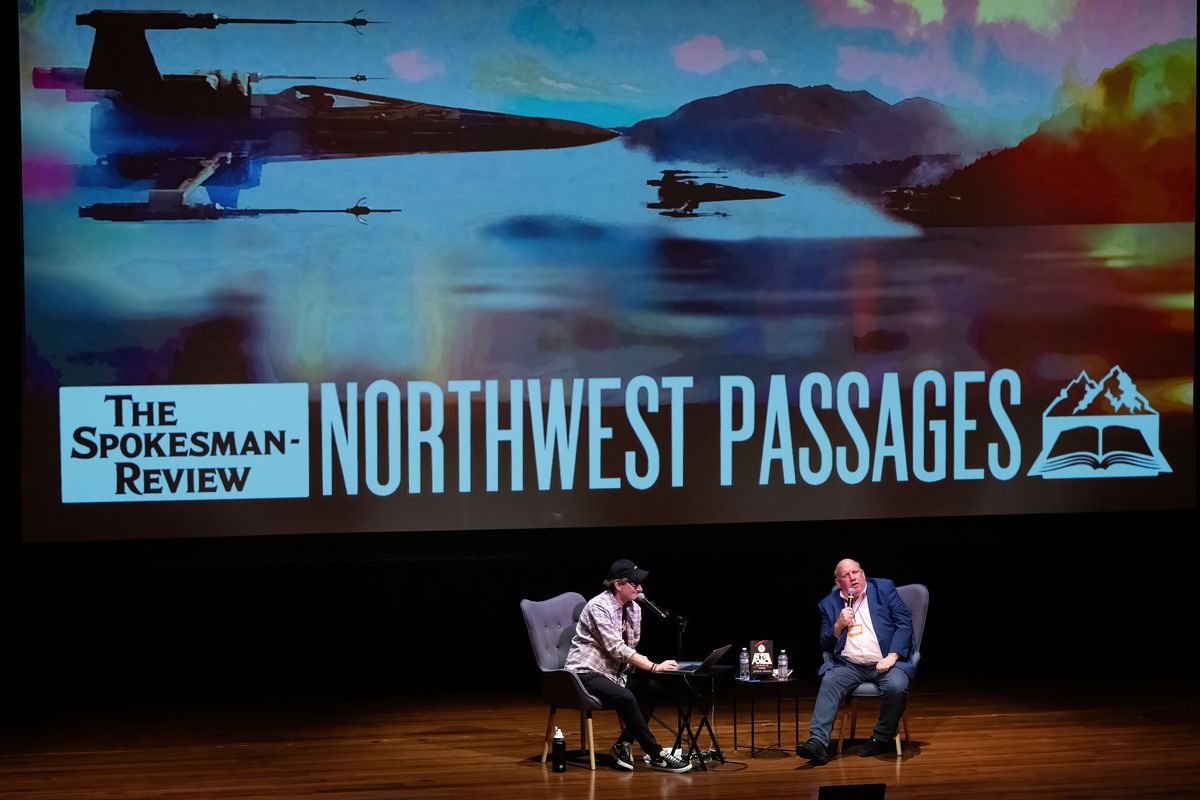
[893, 688]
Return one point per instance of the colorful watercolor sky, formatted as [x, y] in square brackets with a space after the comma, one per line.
[614, 63]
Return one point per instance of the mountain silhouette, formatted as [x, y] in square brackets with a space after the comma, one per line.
[785, 128]
[1115, 393]
[918, 126]
[1073, 397]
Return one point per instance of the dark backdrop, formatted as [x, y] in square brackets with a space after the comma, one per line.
[1035, 600]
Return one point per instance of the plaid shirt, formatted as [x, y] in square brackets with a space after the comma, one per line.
[605, 638]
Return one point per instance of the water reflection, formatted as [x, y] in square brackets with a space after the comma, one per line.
[1040, 300]
[553, 267]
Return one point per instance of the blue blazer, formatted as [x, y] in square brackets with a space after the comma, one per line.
[889, 615]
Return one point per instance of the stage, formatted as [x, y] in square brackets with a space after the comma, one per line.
[967, 741]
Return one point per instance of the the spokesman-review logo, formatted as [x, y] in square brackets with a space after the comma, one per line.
[197, 442]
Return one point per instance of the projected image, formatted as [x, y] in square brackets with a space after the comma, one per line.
[815, 260]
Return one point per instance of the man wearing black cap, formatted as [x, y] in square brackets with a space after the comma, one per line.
[603, 654]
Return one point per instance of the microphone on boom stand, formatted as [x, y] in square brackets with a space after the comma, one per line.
[650, 604]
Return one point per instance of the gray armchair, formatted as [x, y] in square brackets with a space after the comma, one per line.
[916, 597]
[551, 624]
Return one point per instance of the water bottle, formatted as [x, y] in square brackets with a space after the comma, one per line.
[744, 665]
[783, 665]
[558, 752]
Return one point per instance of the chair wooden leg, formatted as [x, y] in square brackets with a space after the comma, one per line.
[549, 735]
[591, 743]
[853, 711]
[899, 750]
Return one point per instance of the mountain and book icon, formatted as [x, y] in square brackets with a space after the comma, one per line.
[1101, 428]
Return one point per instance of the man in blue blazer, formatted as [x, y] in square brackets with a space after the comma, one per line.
[868, 629]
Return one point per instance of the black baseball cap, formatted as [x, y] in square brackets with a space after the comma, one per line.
[626, 569]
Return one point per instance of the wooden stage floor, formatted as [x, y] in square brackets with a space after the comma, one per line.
[967, 742]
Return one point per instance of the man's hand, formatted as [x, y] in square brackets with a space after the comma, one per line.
[844, 620]
[887, 662]
[670, 665]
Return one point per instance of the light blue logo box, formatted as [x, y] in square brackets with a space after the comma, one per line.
[255, 435]
[1111, 403]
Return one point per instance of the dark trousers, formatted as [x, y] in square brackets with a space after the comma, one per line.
[836, 682]
[634, 703]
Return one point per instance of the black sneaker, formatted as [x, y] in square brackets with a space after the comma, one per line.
[622, 753]
[814, 751]
[669, 762]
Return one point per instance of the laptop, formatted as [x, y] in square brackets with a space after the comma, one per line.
[690, 667]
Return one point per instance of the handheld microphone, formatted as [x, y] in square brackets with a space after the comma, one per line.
[850, 596]
[648, 603]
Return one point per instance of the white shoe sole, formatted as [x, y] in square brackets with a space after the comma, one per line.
[661, 766]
